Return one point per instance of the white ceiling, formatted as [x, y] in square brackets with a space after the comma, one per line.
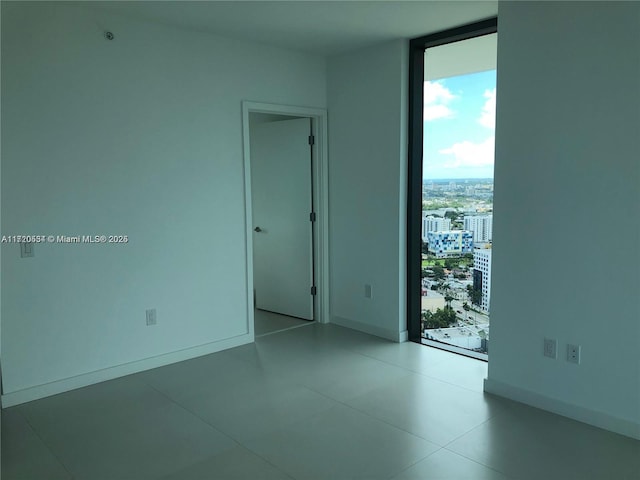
[320, 27]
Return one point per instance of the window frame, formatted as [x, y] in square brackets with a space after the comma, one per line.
[417, 47]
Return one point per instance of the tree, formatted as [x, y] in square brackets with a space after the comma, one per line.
[475, 294]
[438, 272]
[449, 316]
[426, 318]
[442, 318]
[451, 263]
[452, 214]
[447, 299]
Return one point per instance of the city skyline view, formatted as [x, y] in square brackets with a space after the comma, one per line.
[459, 127]
[457, 203]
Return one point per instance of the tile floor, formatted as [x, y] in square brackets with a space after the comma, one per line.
[270, 322]
[315, 402]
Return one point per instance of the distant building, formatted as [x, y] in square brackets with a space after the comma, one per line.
[482, 275]
[434, 224]
[450, 243]
[471, 338]
[481, 226]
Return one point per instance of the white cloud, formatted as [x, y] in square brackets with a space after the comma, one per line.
[469, 154]
[436, 98]
[488, 116]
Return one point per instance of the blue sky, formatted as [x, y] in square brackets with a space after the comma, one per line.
[459, 126]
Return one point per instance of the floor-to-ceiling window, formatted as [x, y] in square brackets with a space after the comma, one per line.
[452, 123]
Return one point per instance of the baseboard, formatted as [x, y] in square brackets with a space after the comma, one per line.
[394, 336]
[581, 414]
[91, 378]
[404, 336]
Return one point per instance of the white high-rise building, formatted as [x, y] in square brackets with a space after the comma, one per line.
[481, 226]
[482, 275]
[434, 224]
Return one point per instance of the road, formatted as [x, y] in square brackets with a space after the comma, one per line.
[476, 318]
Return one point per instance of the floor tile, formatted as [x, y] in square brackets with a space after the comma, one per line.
[286, 354]
[24, 455]
[337, 337]
[210, 373]
[528, 443]
[115, 399]
[434, 410]
[462, 371]
[346, 375]
[314, 402]
[409, 355]
[341, 444]
[446, 465]
[235, 464]
[339, 374]
[254, 409]
[270, 322]
[127, 440]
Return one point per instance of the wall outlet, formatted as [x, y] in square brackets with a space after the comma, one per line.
[367, 291]
[151, 316]
[26, 249]
[551, 348]
[573, 354]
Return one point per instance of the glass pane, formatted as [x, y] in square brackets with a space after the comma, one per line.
[457, 194]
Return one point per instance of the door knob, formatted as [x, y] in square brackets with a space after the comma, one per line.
[257, 229]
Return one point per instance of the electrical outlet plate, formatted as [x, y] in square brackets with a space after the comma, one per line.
[573, 354]
[26, 249]
[550, 348]
[367, 291]
[151, 316]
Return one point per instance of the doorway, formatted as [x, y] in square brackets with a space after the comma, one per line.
[285, 193]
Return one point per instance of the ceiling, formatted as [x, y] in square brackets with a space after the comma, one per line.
[318, 27]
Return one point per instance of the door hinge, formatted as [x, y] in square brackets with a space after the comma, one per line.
[314, 290]
[312, 140]
[312, 216]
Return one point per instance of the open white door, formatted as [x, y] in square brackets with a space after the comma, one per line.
[281, 204]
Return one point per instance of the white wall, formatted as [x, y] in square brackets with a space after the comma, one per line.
[567, 150]
[138, 136]
[367, 195]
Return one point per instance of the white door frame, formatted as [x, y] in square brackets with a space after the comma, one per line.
[320, 178]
